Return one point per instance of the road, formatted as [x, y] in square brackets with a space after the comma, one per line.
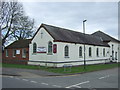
[98, 79]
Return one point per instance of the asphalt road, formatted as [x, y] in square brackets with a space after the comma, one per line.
[98, 79]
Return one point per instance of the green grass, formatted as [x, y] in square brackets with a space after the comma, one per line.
[22, 66]
[0, 64]
[78, 69]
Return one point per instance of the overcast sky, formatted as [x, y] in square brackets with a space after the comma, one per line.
[100, 15]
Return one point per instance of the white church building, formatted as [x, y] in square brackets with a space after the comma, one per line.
[55, 47]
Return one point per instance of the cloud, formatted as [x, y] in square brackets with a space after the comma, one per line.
[100, 15]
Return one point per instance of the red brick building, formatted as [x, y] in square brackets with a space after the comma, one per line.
[17, 52]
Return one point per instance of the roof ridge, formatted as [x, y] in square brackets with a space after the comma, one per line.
[64, 29]
[106, 35]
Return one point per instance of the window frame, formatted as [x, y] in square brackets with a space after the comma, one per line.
[6, 53]
[80, 52]
[24, 53]
[103, 52]
[116, 55]
[66, 51]
[50, 48]
[14, 52]
[34, 47]
[90, 52]
[97, 52]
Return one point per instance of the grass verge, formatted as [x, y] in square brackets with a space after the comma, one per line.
[78, 69]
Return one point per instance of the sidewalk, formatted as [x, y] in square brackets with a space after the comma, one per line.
[27, 72]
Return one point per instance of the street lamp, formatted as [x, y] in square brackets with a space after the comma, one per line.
[84, 43]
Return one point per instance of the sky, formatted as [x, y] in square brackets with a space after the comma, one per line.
[101, 16]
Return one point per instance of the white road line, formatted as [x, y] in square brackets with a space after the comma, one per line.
[25, 79]
[44, 83]
[33, 81]
[104, 77]
[17, 78]
[10, 76]
[101, 77]
[56, 86]
[78, 84]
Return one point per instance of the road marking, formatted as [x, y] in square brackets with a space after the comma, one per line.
[10, 76]
[76, 85]
[56, 86]
[44, 83]
[25, 79]
[33, 81]
[104, 77]
[17, 78]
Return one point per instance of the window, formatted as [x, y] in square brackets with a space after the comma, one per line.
[6, 53]
[90, 52]
[104, 52]
[66, 51]
[97, 52]
[34, 47]
[115, 55]
[112, 46]
[24, 53]
[14, 53]
[80, 51]
[50, 48]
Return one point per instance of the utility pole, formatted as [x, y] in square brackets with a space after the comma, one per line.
[84, 43]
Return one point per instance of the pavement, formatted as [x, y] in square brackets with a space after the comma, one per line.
[27, 72]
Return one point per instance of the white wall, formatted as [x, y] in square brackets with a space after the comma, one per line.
[115, 49]
[59, 56]
[74, 53]
[41, 42]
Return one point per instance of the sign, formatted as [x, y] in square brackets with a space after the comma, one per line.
[17, 51]
[41, 50]
[55, 48]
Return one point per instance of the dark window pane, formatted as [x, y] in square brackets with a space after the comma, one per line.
[34, 47]
[50, 48]
[80, 51]
[66, 51]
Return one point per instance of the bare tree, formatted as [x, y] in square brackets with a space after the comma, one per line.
[14, 24]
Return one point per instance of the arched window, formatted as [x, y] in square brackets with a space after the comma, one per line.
[80, 51]
[50, 47]
[97, 52]
[90, 52]
[34, 47]
[104, 52]
[66, 51]
[115, 55]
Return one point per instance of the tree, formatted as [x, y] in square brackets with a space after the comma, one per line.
[14, 24]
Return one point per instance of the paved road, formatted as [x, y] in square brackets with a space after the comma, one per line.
[99, 79]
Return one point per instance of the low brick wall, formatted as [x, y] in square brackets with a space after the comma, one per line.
[25, 62]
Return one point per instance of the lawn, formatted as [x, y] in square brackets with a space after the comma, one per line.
[0, 64]
[78, 69]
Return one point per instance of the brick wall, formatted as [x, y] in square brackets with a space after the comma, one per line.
[18, 59]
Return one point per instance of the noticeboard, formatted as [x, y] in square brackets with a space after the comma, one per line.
[41, 50]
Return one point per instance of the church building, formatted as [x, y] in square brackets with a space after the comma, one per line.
[113, 43]
[55, 47]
